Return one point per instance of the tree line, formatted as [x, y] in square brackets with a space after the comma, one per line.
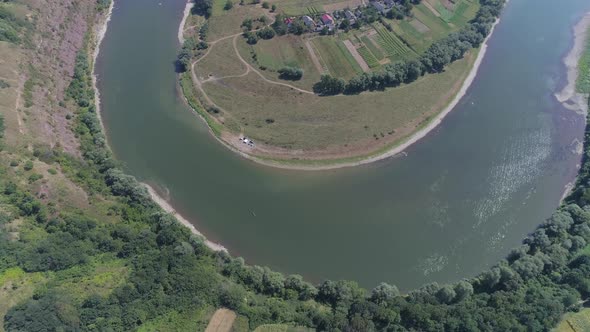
[439, 55]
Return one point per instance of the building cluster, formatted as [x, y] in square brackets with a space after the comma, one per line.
[331, 21]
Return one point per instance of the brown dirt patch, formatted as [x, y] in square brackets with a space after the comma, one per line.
[222, 321]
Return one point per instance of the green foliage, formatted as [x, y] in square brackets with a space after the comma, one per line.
[203, 8]
[329, 85]
[10, 26]
[228, 5]
[583, 82]
[4, 84]
[265, 33]
[434, 60]
[290, 73]
[103, 4]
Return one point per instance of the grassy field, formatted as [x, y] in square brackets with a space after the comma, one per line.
[583, 82]
[304, 7]
[227, 22]
[336, 57]
[284, 51]
[575, 322]
[221, 61]
[302, 121]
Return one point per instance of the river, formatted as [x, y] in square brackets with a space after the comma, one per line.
[455, 204]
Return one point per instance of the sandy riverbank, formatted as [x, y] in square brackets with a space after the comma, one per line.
[569, 96]
[163, 203]
[100, 33]
[187, 11]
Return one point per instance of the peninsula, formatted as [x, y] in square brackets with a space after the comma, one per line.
[329, 84]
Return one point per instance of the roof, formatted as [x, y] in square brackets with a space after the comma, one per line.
[327, 18]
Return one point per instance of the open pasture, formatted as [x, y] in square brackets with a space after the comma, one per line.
[286, 118]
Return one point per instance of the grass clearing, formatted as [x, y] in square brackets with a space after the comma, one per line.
[283, 51]
[575, 322]
[227, 22]
[221, 61]
[222, 321]
[10, 56]
[310, 122]
[17, 286]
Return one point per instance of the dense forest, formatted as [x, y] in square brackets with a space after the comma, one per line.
[171, 270]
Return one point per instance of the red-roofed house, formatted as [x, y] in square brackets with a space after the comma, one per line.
[327, 19]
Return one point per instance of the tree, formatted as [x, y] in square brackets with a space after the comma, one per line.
[273, 8]
[247, 24]
[265, 5]
[228, 5]
[329, 85]
[266, 33]
[290, 73]
[384, 294]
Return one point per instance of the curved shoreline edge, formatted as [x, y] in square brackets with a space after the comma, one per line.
[395, 149]
[569, 97]
[99, 34]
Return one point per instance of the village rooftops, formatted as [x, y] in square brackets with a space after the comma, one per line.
[308, 21]
[327, 19]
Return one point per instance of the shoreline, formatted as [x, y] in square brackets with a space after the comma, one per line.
[187, 11]
[163, 203]
[396, 149]
[100, 32]
[569, 97]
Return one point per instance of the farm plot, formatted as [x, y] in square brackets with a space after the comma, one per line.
[369, 58]
[372, 47]
[391, 44]
[336, 57]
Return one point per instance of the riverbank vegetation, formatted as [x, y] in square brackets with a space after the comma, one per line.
[583, 82]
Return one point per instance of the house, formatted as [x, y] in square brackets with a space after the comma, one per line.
[389, 3]
[288, 21]
[308, 21]
[349, 15]
[327, 19]
[379, 6]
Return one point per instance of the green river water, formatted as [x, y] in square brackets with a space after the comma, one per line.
[460, 199]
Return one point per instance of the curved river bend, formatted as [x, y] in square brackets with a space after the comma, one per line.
[460, 199]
